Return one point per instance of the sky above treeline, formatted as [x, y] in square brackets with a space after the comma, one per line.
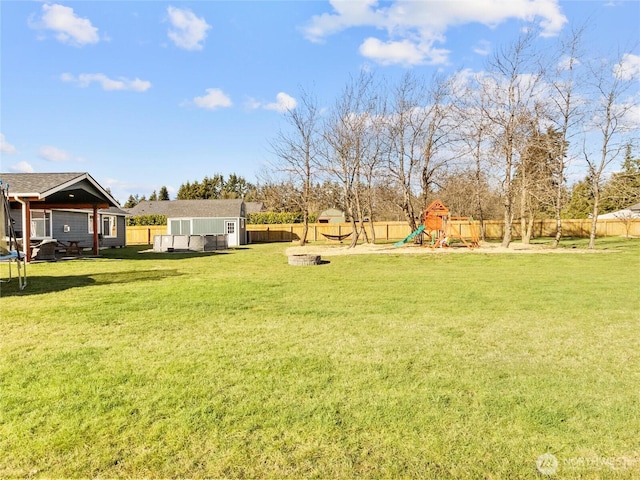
[151, 93]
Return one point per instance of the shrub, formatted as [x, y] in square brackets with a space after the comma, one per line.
[147, 220]
[270, 218]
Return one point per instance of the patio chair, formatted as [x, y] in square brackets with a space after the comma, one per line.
[45, 250]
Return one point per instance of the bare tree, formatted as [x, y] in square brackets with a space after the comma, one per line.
[471, 103]
[611, 84]
[566, 113]
[297, 150]
[347, 136]
[511, 87]
[535, 176]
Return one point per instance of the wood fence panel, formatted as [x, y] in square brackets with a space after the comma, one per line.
[143, 235]
[387, 231]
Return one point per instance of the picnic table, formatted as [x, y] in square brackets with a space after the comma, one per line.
[71, 247]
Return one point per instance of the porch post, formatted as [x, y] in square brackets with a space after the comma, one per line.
[96, 244]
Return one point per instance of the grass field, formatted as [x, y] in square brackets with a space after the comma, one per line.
[370, 366]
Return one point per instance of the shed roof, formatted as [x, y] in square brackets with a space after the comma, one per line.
[190, 208]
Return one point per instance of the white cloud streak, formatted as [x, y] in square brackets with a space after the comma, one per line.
[6, 147]
[54, 154]
[68, 28]
[188, 31]
[214, 99]
[628, 68]
[483, 47]
[85, 79]
[283, 103]
[21, 167]
[413, 28]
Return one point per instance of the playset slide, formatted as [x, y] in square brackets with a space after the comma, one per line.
[411, 236]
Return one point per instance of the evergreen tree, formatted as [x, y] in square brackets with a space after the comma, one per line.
[623, 188]
[580, 204]
[164, 193]
[131, 201]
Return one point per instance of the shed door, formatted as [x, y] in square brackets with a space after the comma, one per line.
[231, 230]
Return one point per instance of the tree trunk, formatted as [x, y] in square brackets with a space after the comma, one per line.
[508, 204]
[558, 212]
[524, 233]
[594, 219]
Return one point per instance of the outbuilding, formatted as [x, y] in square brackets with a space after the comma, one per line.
[200, 217]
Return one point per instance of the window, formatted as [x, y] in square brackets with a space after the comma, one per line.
[108, 226]
[40, 224]
[231, 228]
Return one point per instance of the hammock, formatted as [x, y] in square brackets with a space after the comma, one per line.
[337, 237]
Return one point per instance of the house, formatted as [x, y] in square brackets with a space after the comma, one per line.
[200, 217]
[632, 212]
[332, 215]
[70, 207]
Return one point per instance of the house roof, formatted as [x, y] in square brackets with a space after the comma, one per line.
[190, 208]
[254, 207]
[63, 189]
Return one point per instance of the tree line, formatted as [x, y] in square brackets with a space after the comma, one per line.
[501, 142]
[536, 134]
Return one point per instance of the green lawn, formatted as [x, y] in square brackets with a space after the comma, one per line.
[370, 366]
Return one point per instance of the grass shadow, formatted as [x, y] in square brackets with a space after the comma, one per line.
[49, 284]
[144, 253]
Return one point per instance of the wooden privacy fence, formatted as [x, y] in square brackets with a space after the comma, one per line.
[143, 235]
[398, 230]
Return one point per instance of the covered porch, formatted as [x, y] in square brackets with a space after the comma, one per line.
[46, 192]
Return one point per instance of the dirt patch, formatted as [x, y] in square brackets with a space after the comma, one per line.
[485, 248]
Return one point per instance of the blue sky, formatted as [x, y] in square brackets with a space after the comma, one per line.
[151, 93]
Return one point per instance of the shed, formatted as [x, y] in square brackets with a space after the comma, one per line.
[64, 206]
[332, 215]
[200, 217]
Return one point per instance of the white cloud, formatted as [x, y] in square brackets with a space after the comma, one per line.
[403, 52]
[54, 154]
[483, 47]
[21, 167]
[252, 104]
[6, 147]
[628, 68]
[283, 103]
[189, 31]
[68, 27]
[109, 84]
[414, 27]
[567, 62]
[215, 98]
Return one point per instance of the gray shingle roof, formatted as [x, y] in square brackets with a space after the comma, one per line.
[49, 185]
[190, 208]
[28, 183]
